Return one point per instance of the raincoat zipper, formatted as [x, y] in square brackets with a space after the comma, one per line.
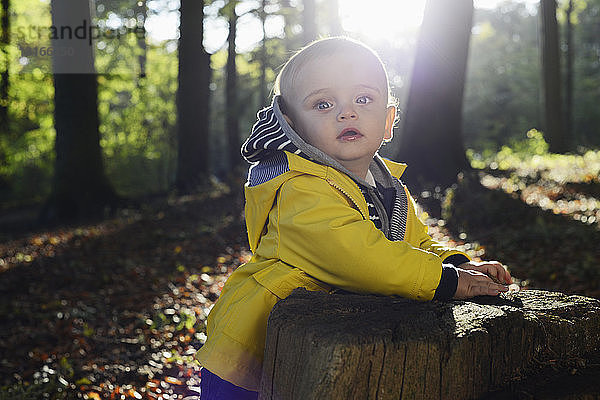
[338, 187]
[381, 211]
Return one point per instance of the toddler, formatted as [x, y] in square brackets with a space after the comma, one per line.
[324, 211]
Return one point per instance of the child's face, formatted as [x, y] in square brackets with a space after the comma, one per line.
[339, 105]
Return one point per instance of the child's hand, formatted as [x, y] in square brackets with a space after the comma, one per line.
[493, 269]
[474, 283]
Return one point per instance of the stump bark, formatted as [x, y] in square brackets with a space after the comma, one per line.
[347, 346]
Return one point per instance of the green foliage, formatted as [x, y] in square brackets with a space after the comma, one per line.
[502, 89]
[138, 119]
[26, 154]
[26, 148]
[502, 94]
[518, 150]
[528, 159]
[137, 116]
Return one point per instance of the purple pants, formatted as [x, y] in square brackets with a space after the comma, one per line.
[214, 388]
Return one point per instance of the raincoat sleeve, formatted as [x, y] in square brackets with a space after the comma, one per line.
[321, 233]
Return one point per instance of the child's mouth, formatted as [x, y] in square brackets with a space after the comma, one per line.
[349, 134]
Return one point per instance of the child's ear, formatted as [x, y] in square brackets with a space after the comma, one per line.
[390, 118]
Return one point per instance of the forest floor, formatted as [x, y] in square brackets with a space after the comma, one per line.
[116, 309]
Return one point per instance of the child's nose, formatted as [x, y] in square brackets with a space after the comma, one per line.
[347, 113]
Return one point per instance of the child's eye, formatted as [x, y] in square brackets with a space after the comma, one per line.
[323, 105]
[364, 100]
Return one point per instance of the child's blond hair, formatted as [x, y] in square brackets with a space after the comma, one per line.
[284, 84]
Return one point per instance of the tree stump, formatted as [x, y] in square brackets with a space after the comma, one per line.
[348, 346]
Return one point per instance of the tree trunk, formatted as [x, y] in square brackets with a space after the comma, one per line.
[232, 124]
[141, 11]
[4, 76]
[263, 56]
[309, 24]
[192, 99]
[569, 75]
[80, 189]
[346, 346]
[552, 79]
[431, 139]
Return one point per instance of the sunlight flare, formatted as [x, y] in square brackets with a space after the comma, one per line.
[381, 19]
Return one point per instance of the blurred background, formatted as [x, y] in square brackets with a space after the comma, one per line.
[217, 60]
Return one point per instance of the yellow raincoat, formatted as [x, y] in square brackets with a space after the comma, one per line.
[309, 227]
